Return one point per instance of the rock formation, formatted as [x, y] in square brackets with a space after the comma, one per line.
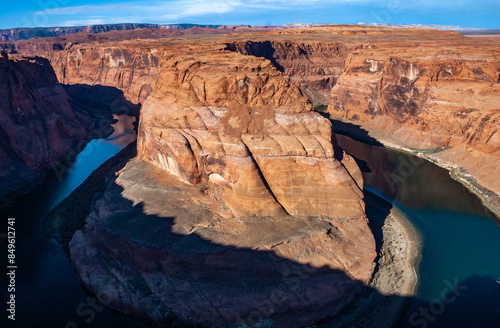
[233, 161]
[168, 254]
[439, 94]
[235, 122]
[37, 124]
[217, 112]
[315, 66]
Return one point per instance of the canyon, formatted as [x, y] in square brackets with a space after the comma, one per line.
[440, 101]
[424, 91]
[37, 124]
[237, 183]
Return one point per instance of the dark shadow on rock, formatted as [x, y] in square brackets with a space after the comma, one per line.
[142, 267]
[262, 49]
[165, 278]
[101, 100]
[352, 130]
[377, 211]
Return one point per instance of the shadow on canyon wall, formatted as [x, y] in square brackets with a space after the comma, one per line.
[102, 104]
[136, 263]
[406, 179]
[100, 100]
[264, 49]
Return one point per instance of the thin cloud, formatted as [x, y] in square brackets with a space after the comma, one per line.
[261, 11]
[151, 8]
[180, 9]
[84, 22]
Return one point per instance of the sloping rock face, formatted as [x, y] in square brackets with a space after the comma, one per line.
[238, 124]
[133, 70]
[37, 124]
[430, 95]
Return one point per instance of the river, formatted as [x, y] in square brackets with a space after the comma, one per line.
[460, 260]
[48, 293]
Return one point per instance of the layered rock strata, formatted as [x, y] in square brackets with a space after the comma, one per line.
[239, 125]
[442, 100]
[37, 124]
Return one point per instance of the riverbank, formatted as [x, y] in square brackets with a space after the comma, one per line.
[489, 198]
[400, 256]
[395, 280]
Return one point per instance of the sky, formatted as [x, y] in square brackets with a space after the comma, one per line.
[33, 13]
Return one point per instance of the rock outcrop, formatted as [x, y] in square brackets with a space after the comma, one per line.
[133, 70]
[240, 125]
[159, 250]
[37, 124]
[237, 180]
[438, 94]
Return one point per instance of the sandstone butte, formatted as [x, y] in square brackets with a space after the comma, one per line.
[232, 115]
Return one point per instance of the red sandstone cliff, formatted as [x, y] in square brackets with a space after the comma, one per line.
[429, 93]
[242, 126]
[37, 124]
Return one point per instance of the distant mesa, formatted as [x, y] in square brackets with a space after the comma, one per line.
[14, 34]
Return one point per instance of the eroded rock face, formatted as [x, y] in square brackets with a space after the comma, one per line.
[37, 124]
[314, 66]
[430, 93]
[446, 101]
[236, 123]
[133, 70]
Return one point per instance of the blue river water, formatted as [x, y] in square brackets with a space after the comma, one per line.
[460, 262]
[48, 292]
